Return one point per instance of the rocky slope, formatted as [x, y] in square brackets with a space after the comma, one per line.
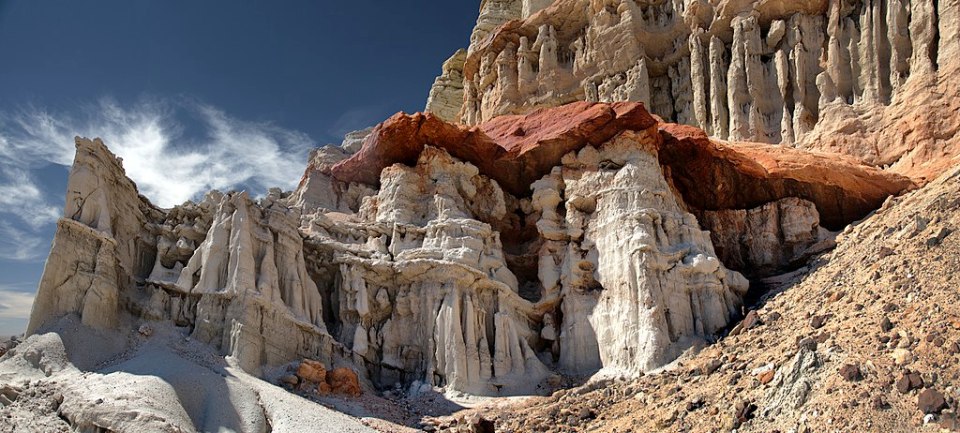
[864, 338]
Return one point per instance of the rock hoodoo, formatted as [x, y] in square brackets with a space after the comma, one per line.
[835, 75]
[483, 259]
[589, 190]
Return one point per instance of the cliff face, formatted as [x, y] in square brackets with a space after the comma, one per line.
[483, 260]
[591, 187]
[835, 75]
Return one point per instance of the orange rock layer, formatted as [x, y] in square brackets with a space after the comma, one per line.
[520, 149]
[713, 175]
[513, 150]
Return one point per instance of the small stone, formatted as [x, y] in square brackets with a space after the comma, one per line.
[886, 325]
[938, 236]
[289, 379]
[808, 343]
[744, 412]
[766, 377]
[344, 381]
[949, 421]
[312, 371]
[145, 330]
[885, 252]
[694, 404]
[890, 307]
[902, 356]
[954, 348]
[710, 367]
[879, 403]
[750, 321]
[851, 373]
[908, 382]
[818, 321]
[931, 401]
[586, 413]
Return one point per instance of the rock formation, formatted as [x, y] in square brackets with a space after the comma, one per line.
[446, 95]
[592, 185]
[482, 260]
[830, 75]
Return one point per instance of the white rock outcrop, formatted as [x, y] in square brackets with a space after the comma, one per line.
[636, 279]
[416, 285]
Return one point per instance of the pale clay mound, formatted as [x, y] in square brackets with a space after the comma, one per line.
[585, 244]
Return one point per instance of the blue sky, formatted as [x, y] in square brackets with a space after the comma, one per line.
[194, 95]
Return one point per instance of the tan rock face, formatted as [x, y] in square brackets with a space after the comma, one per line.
[768, 238]
[482, 260]
[101, 244]
[446, 94]
[871, 79]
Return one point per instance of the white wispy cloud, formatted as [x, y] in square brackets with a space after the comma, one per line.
[20, 244]
[15, 304]
[168, 166]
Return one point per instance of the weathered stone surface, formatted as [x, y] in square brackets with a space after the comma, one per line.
[623, 235]
[312, 371]
[871, 79]
[446, 94]
[765, 239]
[101, 244]
[563, 238]
[513, 150]
[344, 381]
[747, 175]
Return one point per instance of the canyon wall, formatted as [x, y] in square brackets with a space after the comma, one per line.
[483, 260]
[874, 79]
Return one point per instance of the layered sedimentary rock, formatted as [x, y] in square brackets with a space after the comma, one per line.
[636, 279]
[513, 150]
[874, 79]
[100, 246]
[748, 175]
[230, 268]
[764, 239]
[446, 95]
[483, 260]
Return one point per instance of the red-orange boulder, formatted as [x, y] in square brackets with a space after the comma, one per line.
[344, 381]
[312, 371]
